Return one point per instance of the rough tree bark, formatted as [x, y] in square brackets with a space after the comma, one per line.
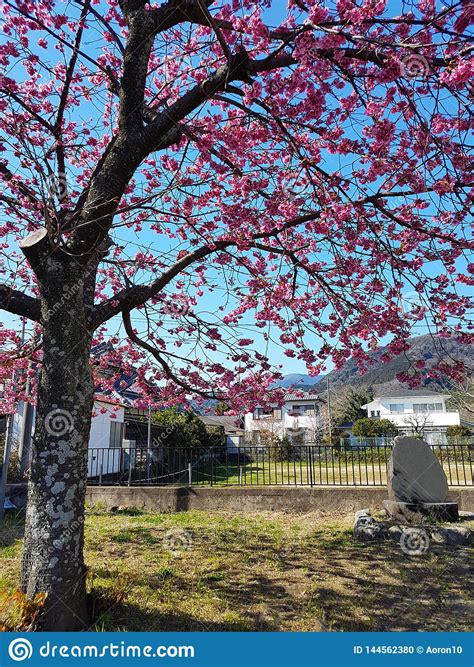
[53, 552]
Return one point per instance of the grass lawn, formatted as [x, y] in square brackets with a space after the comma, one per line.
[257, 572]
[349, 472]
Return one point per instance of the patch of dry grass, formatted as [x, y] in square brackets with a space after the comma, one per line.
[216, 571]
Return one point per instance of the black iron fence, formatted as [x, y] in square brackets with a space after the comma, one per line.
[248, 465]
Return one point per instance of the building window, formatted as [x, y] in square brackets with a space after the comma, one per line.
[309, 410]
[375, 413]
[116, 434]
[427, 407]
[262, 412]
[397, 407]
[277, 413]
[420, 407]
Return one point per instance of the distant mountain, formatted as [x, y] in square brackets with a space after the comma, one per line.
[298, 380]
[383, 375]
[379, 376]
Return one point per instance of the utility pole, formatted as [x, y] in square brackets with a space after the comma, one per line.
[329, 409]
[24, 446]
[8, 444]
[26, 421]
[6, 459]
[148, 444]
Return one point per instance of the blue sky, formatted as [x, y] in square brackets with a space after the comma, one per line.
[211, 302]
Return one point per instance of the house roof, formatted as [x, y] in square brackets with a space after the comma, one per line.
[408, 393]
[302, 396]
[125, 384]
[229, 424]
[109, 400]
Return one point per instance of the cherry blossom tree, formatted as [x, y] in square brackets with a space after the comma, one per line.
[302, 166]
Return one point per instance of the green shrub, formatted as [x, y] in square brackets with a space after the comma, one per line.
[387, 428]
[374, 428]
[365, 428]
[280, 450]
[185, 429]
[458, 433]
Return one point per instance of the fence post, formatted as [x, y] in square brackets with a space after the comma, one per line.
[190, 475]
[100, 475]
[240, 475]
[129, 473]
[310, 459]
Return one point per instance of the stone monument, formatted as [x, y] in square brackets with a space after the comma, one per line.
[417, 484]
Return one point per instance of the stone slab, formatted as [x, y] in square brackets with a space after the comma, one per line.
[414, 473]
[421, 512]
[414, 539]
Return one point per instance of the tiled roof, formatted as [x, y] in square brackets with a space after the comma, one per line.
[402, 393]
[302, 396]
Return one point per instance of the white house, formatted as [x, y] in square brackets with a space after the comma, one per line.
[299, 419]
[106, 435]
[106, 439]
[415, 411]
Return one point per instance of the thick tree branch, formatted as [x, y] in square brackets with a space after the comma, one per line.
[137, 295]
[143, 27]
[20, 304]
[135, 65]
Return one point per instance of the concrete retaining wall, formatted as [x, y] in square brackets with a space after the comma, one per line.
[243, 499]
[254, 499]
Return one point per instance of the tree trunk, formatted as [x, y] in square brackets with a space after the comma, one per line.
[53, 551]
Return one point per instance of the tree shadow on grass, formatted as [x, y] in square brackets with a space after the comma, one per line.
[377, 587]
[135, 618]
[256, 603]
[323, 580]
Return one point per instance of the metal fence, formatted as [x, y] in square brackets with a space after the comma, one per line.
[293, 465]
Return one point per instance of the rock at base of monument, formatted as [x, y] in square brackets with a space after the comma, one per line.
[458, 536]
[370, 532]
[421, 512]
[367, 529]
[394, 533]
